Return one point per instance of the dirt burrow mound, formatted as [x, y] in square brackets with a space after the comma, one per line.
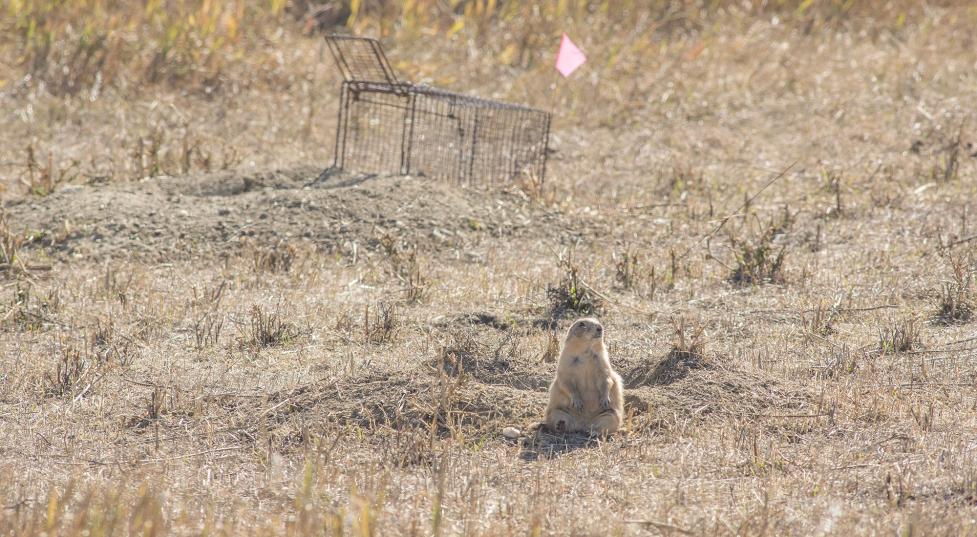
[674, 367]
[482, 382]
[402, 400]
[211, 214]
[684, 384]
[680, 386]
[492, 351]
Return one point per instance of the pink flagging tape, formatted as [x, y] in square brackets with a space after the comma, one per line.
[569, 58]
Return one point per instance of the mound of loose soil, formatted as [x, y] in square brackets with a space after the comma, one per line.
[684, 384]
[210, 214]
[491, 355]
[674, 367]
[404, 400]
[485, 378]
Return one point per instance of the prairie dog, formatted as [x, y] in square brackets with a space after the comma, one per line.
[586, 395]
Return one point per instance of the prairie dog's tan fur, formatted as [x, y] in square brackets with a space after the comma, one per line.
[586, 395]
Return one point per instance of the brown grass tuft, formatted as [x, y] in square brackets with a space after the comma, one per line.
[10, 244]
[266, 329]
[571, 296]
[760, 261]
[379, 323]
[279, 257]
[958, 296]
[71, 367]
[901, 337]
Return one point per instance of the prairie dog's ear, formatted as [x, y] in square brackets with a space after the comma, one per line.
[576, 328]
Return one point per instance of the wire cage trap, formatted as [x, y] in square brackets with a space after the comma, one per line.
[389, 126]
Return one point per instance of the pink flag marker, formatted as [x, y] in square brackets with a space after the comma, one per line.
[569, 58]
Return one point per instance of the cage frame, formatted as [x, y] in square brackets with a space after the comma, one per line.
[520, 133]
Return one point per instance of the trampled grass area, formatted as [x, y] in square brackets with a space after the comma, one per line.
[768, 205]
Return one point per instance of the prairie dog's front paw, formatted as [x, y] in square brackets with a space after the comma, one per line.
[605, 402]
[576, 402]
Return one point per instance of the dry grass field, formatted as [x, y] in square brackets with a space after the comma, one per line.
[772, 207]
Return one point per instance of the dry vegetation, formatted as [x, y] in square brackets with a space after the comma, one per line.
[197, 336]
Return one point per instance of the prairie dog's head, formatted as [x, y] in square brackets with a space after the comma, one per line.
[586, 332]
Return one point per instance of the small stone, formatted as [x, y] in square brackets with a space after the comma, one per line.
[511, 433]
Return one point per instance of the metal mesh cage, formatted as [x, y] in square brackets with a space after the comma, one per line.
[360, 59]
[386, 126]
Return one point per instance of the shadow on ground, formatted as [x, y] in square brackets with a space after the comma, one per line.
[541, 444]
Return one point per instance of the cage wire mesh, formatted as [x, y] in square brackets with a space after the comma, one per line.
[388, 126]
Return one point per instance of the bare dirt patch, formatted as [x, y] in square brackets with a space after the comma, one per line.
[686, 385]
[209, 215]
